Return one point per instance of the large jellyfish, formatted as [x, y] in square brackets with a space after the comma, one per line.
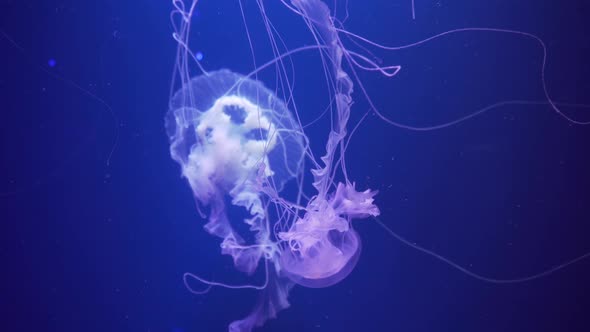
[233, 139]
[238, 144]
[246, 156]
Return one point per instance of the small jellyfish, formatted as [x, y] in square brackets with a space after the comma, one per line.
[322, 246]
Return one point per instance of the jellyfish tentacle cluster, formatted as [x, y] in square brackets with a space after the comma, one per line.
[238, 146]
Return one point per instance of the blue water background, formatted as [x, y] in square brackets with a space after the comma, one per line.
[86, 246]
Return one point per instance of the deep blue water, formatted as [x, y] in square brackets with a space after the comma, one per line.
[91, 241]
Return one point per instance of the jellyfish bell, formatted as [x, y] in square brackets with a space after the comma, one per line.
[322, 247]
[228, 124]
[320, 259]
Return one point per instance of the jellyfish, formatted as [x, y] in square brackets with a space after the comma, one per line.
[242, 147]
[233, 137]
[238, 144]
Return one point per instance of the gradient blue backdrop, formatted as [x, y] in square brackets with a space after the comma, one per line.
[90, 247]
